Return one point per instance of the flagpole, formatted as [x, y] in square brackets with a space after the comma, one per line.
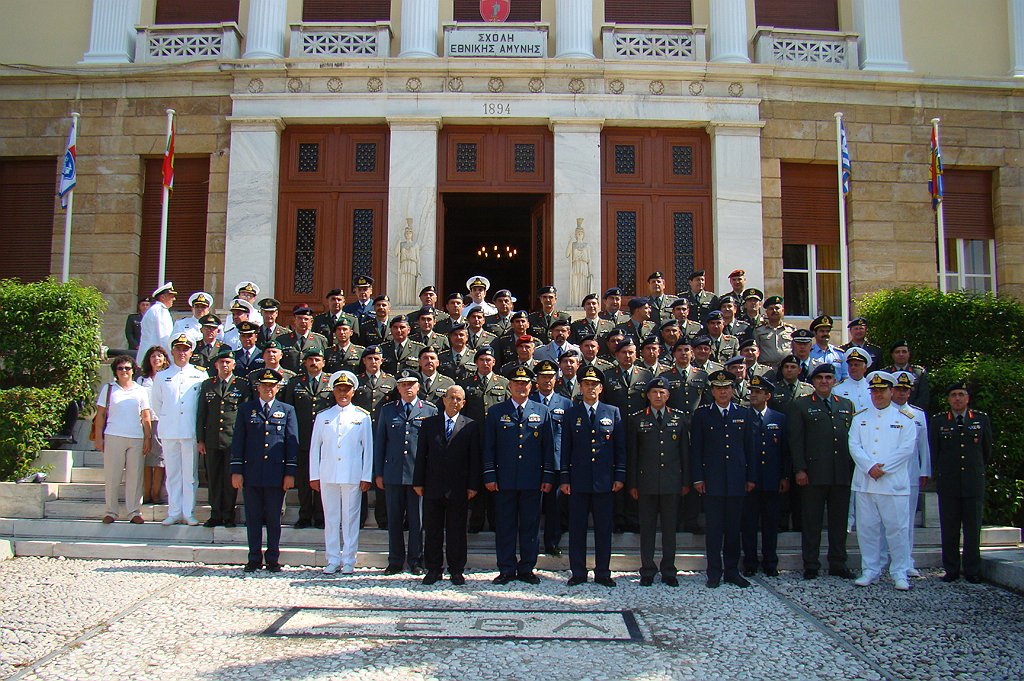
[844, 256]
[163, 213]
[65, 272]
[939, 224]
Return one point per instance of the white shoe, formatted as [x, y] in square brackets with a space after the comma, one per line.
[170, 520]
[865, 580]
[902, 584]
[912, 572]
[348, 569]
[192, 522]
[331, 568]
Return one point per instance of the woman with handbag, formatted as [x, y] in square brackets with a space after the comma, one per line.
[122, 430]
[154, 361]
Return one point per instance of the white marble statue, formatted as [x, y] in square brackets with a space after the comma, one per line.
[578, 255]
[407, 251]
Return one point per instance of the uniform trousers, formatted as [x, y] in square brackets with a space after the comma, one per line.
[223, 496]
[552, 510]
[627, 516]
[481, 512]
[761, 514]
[881, 515]
[403, 503]
[689, 512]
[123, 455]
[813, 501]
[601, 506]
[516, 515]
[380, 508]
[341, 521]
[444, 527]
[956, 513]
[722, 518]
[915, 495]
[651, 508]
[180, 462]
[311, 507]
[263, 509]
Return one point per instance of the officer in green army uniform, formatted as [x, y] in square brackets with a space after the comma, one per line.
[273, 353]
[325, 322]
[302, 338]
[611, 306]
[774, 337]
[921, 394]
[701, 301]
[344, 355]
[505, 346]
[270, 308]
[750, 307]
[208, 347]
[639, 324]
[681, 313]
[475, 326]
[657, 477]
[960, 440]
[457, 361]
[399, 351]
[219, 398]
[425, 333]
[542, 319]
[657, 298]
[590, 353]
[500, 322]
[433, 384]
[591, 324]
[788, 387]
[309, 393]
[737, 366]
[858, 328]
[428, 301]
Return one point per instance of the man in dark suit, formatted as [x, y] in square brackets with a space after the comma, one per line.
[309, 393]
[558, 405]
[818, 433]
[657, 477]
[264, 456]
[394, 457]
[961, 446]
[593, 468]
[447, 476]
[518, 467]
[722, 467]
[771, 479]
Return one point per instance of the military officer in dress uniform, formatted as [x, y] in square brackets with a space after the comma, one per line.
[208, 347]
[921, 395]
[453, 306]
[657, 298]
[518, 468]
[639, 325]
[817, 429]
[240, 312]
[541, 320]
[961, 444]
[701, 302]
[477, 288]
[394, 459]
[650, 356]
[344, 355]
[741, 388]
[681, 313]
[272, 355]
[772, 469]
[219, 400]
[591, 324]
[399, 351]
[477, 336]
[551, 507]
[590, 350]
[458, 361]
[362, 306]
[302, 338]
[593, 469]
[788, 385]
[823, 350]
[247, 292]
[200, 302]
[156, 325]
[425, 332]
[309, 393]
[611, 306]
[500, 322]
[687, 384]
[559, 344]
[248, 357]
[568, 385]
[375, 389]
[657, 476]
[855, 386]
[433, 384]
[325, 322]
[732, 325]
[723, 467]
[484, 389]
[376, 328]
[270, 329]
[524, 356]
[858, 329]
[920, 466]
[750, 308]
[428, 301]
[723, 347]
[264, 456]
[341, 469]
[702, 360]
[750, 352]
[668, 335]
[774, 336]
[505, 346]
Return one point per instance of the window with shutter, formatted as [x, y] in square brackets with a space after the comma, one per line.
[970, 229]
[196, 11]
[27, 190]
[810, 238]
[808, 15]
[186, 227]
[522, 10]
[658, 12]
[338, 11]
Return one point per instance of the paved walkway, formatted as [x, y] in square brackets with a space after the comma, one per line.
[68, 619]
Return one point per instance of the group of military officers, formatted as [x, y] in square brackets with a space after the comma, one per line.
[638, 418]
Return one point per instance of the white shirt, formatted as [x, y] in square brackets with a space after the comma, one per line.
[341, 448]
[886, 436]
[156, 328]
[855, 391]
[124, 410]
[921, 462]
[485, 306]
[175, 399]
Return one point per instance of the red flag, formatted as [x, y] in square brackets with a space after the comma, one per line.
[169, 160]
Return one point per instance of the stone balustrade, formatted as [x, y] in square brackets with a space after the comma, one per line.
[676, 43]
[816, 49]
[187, 42]
[341, 40]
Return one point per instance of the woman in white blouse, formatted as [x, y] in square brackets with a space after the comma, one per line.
[123, 412]
[153, 362]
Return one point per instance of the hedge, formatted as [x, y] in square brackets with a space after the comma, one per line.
[27, 417]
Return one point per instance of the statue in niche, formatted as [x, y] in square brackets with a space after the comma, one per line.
[408, 253]
[578, 254]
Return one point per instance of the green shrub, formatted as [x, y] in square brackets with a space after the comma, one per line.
[995, 388]
[27, 417]
[51, 336]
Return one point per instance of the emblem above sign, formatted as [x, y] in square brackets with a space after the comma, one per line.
[495, 10]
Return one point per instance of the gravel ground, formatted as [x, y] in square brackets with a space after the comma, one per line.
[68, 619]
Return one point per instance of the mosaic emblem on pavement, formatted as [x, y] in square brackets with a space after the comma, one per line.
[565, 625]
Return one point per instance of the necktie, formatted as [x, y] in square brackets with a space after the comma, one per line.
[544, 399]
[408, 410]
[661, 421]
[591, 329]
[302, 342]
[449, 426]
[558, 352]
[593, 415]
[960, 421]
[371, 381]
[427, 384]
[519, 412]
[757, 419]
[266, 411]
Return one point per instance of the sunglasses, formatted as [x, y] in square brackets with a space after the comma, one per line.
[123, 367]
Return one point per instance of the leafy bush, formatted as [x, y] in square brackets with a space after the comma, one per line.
[27, 417]
[51, 336]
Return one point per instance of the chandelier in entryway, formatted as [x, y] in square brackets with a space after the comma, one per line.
[496, 252]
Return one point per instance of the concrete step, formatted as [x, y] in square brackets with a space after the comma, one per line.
[94, 491]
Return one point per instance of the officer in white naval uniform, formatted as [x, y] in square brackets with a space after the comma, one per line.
[175, 401]
[200, 303]
[882, 441]
[921, 462]
[156, 325]
[855, 388]
[341, 469]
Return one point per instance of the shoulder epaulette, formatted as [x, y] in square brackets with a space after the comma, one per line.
[858, 413]
[361, 409]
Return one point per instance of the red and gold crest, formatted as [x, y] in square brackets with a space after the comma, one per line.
[495, 10]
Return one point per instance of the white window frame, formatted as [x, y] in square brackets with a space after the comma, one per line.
[957, 280]
[812, 273]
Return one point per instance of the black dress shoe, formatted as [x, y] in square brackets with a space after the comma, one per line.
[211, 523]
[576, 581]
[973, 579]
[950, 577]
[771, 572]
[810, 574]
[749, 572]
[502, 580]
[737, 580]
[416, 570]
[457, 579]
[230, 524]
[553, 551]
[392, 569]
[318, 524]
[252, 567]
[842, 573]
[646, 581]
[713, 582]
[604, 581]
[528, 577]
[431, 578]
[302, 524]
[273, 567]
[670, 580]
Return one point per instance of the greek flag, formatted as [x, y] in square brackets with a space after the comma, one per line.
[844, 157]
[69, 169]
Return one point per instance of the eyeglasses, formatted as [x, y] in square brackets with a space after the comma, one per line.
[123, 367]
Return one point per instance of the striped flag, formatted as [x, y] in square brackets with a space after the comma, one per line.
[69, 169]
[844, 157]
[935, 183]
[168, 169]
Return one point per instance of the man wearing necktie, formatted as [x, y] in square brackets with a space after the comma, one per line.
[541, 321]
[592, 324]
[558, 405]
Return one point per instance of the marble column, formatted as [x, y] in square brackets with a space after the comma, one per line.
[412, 195]
[574, 29]
[880, 45]
[267, 29]
[577, 194]
[736, 199]
[1016, 8]
[419, 28]
[250, 239]
[112, 33]
[728, 31]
